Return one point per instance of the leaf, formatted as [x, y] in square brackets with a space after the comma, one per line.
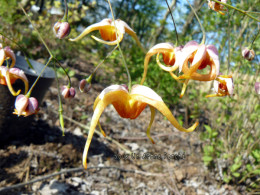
[207, 158]
[208, 128]
[236, 174]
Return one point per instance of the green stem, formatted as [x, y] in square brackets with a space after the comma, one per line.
[202, 28]
[176, 33]
[29, 92]
[254, 40]
[69, 85]
[38, 33]
[228, 34]
[65, 17]
[124, 62]
[109, 54]
[60, 104]
[232, 7]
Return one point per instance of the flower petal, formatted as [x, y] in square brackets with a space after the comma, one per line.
[160, 105]
[118, 40]
[146, 92]
[2, 56]
[105, 23]
[213, 53]
[114, 93]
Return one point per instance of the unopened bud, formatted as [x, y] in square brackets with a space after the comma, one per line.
[68, 92]
[61, 29]
[248, 54]
[21, 104]
[84, 86]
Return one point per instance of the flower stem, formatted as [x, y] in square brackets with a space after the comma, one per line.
[65, 17]
[124, 62]
[38, 33]
[254, 39]
[232, 7]
[29, 92]
[176, 33]
[202, 28]
[69, 85]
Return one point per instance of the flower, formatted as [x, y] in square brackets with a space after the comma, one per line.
[217, 6]
[25, 106]
[9, 75]
[130, 105]
[67, 92]
[170, 55]
[111, 32]
[61, 29]
[199, 56]
[84, 86]
[223, 86]
[248, 54]
[5, 54]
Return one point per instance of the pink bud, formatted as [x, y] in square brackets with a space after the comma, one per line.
[248, 54]
[33, 105]
[68, 92]
[61, 29]
[21, 104]
[83, 87]
[257, 87]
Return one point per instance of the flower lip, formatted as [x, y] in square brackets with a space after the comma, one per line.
[112, 88]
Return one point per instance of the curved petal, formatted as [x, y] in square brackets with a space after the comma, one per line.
[184, 87]
[19, 74]
[166, 68]
[230, 86]
[159, 48]
[105, 23]
[146, 92]
[9, 85]
[2, 56]
[159, 105]
[213, 53]
[198, 58]
[118, 40]
[215, 85]
[152, 109]
[10, 54]
[108, 98]
[187, 50]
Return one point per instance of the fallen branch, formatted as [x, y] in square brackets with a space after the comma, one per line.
[79, 169]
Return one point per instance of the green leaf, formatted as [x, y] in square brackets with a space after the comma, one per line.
[207, 158]
[235, 167]
[236, 174]
[208, 128]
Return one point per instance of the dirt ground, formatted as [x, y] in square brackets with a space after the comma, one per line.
[173, 165]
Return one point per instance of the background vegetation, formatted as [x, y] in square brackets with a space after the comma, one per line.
[230, 127]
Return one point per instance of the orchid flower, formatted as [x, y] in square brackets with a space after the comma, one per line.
[217, 6]
[8, 75]
[170, 55]
[112, 32]
[199, 56]
[223, 86]
[25, 106]
[130, 105]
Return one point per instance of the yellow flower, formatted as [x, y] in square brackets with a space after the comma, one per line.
[217, 6]
[223, 86]
[170, 55]
[8, 75]
[130, 105]
[198, 56]
[111, 32]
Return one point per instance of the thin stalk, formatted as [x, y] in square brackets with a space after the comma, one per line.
[229, 46]
[202, 28]
[124, 62]
[232, 7]
[29, 92]
[38, 33]
[254, 39]
[69, 85]
[65, 17]
[60, 103]
[176, 33]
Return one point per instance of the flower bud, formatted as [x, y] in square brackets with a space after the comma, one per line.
[68, 92]
[21, 104]
[83, 87]
[248, 54]
[61, 29]
[257, 87]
